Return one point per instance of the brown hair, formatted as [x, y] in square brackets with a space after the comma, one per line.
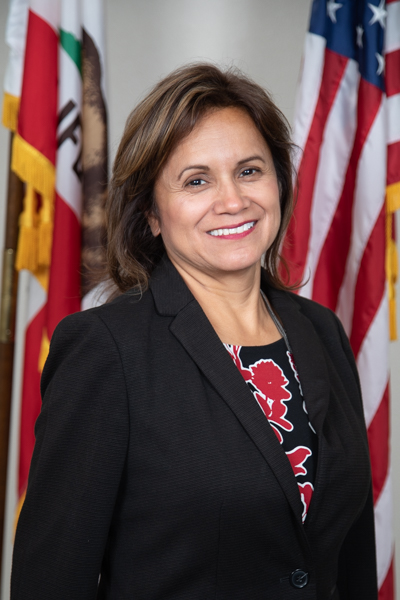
[154, 128]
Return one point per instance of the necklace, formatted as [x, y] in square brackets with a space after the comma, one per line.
[275, 320]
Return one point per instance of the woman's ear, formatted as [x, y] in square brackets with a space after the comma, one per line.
[154, 223]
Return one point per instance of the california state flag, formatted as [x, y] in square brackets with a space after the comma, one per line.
[60, 152]
[64, 283]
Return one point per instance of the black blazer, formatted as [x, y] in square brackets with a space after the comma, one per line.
[155, 466]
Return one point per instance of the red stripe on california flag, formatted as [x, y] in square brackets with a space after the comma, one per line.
[386, 591]
[392, 73]
[298, 234]
[65, 280]
[370, 285]
[41, 49]
[378, 439]
[31, 402]
[393, 163]
[332, 260]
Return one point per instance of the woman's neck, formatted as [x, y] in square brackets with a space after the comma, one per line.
[233, 304]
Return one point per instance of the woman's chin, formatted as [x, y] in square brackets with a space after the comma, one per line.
[218, 264]
[237, 266]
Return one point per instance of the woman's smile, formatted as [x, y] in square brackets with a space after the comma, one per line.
[234, 232]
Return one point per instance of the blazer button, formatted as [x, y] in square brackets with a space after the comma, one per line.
[299, 578]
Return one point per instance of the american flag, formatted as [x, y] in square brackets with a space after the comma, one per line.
[347, 125]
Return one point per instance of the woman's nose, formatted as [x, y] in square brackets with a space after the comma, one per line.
[230, 198]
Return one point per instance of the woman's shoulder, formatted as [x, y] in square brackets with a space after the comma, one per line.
[315, 311]
[323, 318]
[324, 321]
[329, 330]
[123, 321]
[327, 324]
[99, 335]
[125, 310]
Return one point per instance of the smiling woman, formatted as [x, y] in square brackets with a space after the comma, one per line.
[157, 131]
[218, 212]
[202, 434]
[222, 215]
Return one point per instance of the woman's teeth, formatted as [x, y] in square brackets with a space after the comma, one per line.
[233, 230]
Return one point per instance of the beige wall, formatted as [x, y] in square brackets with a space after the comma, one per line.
[148, 38]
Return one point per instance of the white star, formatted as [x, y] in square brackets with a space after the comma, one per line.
[381, 63]
[331, 8]
[360, 32]
[380, 13]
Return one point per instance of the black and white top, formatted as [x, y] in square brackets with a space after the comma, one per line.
[271, 374]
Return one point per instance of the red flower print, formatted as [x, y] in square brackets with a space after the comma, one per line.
[270, 383]
[234, 352]
[297, 458]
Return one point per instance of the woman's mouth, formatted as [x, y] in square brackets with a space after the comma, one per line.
[238, 230]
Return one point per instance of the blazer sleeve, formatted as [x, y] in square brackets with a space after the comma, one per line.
[81, 443]
[357, 576]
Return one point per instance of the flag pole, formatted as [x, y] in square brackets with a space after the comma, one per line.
[15, 192]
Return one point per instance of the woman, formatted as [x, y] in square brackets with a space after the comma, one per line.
[202, 435]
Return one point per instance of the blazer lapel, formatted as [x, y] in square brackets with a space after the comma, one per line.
[308, 354]
[193, 330]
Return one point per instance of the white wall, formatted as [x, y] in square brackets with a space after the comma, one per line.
[148, 38]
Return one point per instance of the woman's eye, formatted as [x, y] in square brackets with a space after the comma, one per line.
[196, 182]
[247, 172]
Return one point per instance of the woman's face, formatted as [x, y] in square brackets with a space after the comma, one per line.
[217, 197]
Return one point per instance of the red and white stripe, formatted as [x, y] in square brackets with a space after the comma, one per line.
[51, 81]
[35, 73]
[346, 128]
[64, 283]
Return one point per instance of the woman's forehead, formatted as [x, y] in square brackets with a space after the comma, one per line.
[226, 132]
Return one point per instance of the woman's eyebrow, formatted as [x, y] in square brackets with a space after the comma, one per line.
[200, 167]
[250, 158]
